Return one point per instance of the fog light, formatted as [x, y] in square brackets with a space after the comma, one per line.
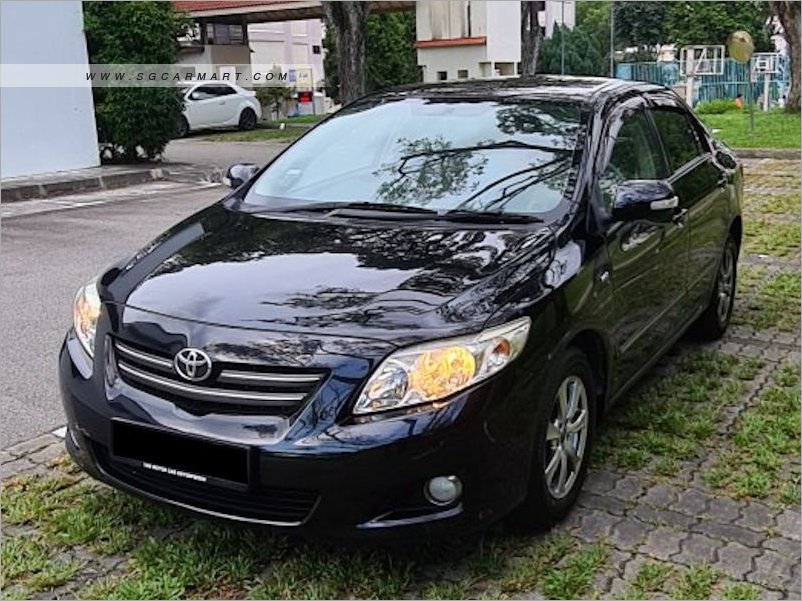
[443, 490]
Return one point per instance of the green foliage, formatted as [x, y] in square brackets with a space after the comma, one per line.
[134, 122]
[642, 25]
[583, 56]
[273, 97]
[390, 56]
[711, 22]
[647, 24]
[593, 19]
[718, 106]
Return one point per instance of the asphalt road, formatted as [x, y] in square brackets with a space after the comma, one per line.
[47, 250]
[221, 154]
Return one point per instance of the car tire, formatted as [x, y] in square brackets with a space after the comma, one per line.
[555, 479]
[713, 322]
[247, 120]
[183, 127]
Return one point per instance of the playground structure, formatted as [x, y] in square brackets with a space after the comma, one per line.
[766, 76]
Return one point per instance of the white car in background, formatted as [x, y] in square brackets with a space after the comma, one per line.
[214, 105]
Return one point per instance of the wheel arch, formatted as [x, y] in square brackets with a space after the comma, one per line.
[592, 343]
[736, 230]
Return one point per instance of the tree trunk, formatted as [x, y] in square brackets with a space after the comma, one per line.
[788, 12]
[348, 21]
[531, 36]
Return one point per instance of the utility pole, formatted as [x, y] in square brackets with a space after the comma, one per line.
[562, 39]
[612, 38]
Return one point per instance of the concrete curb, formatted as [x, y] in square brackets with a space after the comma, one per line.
[27, 190]
[788, 154]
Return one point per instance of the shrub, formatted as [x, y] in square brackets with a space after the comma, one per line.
[134, 123]
[718, 106]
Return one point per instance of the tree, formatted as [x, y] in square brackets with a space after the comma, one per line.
[708, 23]
[348, 22]
[531, 36]
[641, 25]
[788, 14]
[593, 19]
[390, 58]
[134, 121]
[582, 55]
[273, 97]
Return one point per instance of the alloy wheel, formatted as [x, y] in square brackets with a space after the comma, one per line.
[725, 286]
[566, 437]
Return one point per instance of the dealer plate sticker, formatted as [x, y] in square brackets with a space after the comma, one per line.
[173, 472]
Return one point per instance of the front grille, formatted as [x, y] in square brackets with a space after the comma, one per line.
[231, 388]
[283, 506]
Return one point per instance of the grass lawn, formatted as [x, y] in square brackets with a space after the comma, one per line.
[304, 119]
[268, 130]
[259, 134]
[775, 129]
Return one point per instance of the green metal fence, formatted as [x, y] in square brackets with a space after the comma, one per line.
[733, 81]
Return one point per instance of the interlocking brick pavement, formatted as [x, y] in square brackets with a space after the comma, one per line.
[678, 520]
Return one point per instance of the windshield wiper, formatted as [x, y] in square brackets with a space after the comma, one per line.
[370, 209]
[506, 144]
[339, 207]
[492, 217]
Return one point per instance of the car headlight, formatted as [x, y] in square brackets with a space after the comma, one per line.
[85, 313]
[433, 371]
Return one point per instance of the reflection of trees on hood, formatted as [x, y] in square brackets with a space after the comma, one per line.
[428, 170]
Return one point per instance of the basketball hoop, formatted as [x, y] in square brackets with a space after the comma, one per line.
[699, 61]
[765, 64]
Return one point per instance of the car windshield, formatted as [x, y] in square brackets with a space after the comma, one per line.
[489, 156]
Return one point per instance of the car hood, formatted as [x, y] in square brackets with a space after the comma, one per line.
[398, 282]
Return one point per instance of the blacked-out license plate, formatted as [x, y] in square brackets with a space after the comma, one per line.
[178, 454]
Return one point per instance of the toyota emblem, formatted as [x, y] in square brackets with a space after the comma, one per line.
[192, 364]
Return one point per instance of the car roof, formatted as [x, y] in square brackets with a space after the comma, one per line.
[567, 88]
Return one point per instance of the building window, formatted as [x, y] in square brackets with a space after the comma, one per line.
[442, 75]
[462, 74]
[222, 34]
[315, 49]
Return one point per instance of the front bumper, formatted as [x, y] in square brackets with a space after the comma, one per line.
[353, 480]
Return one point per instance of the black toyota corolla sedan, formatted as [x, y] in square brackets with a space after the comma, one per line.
[413, 319]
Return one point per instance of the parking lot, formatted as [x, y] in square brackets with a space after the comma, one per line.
[693, 493]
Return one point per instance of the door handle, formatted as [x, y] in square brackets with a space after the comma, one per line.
[680, 218]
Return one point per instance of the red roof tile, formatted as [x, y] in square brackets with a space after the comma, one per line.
[211, 5]
[445, 43]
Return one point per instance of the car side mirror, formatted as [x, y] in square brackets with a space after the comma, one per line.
[650, 200]
[194, 96]
[726, 159]
[239, 173]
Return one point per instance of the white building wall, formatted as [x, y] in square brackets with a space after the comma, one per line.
[442, 59]
[287, 42]
[557, 11]
[504, 31]
[45, 129]
[499, 21]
